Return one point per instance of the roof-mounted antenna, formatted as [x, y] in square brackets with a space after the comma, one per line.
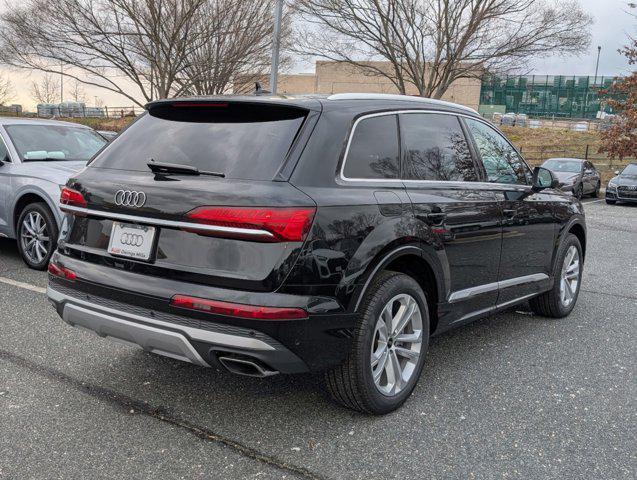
[258, 89]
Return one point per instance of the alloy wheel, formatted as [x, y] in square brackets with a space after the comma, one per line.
[34, 237]
[570, 276]
[396, 344]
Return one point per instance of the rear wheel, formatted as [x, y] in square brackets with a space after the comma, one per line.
[37, 234]
[388, 350]
[567, 273]
[595, 193]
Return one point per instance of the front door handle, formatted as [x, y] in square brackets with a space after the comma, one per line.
[436, 218]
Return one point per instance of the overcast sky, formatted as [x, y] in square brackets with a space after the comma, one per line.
[610, 30]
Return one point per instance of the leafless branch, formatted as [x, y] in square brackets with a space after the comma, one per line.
[428, 44]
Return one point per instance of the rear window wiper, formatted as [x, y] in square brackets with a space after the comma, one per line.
[178, 169]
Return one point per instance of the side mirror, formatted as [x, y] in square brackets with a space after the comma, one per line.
[543, 178]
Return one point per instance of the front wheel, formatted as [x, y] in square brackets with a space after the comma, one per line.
[567, 274]
[578, 192]
[37, 234]
[388, 349]
[611, 202]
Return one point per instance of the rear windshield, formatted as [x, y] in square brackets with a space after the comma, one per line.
[241, 141]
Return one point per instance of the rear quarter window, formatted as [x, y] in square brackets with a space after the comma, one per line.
[373, 149]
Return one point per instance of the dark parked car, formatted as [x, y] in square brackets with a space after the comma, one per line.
[576, 175]
[623, 187]
[285, 235]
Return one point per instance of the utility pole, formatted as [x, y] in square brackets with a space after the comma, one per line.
[276, 43]
[599, 50]
[61, 82]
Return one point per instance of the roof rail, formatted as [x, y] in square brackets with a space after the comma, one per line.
[390, 96]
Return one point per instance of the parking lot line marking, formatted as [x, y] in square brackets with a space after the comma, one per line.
[594, 201]
[162, 414]
[26, 286]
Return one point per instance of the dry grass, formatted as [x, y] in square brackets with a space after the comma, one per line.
[539, 144]
[113, 124]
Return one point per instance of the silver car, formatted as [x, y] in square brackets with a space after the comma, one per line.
[36, 158]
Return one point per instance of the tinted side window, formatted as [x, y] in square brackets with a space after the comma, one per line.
[501, 161]
[435, 148]
[373, 150]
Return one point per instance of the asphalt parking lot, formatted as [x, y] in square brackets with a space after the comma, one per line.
[513, 396]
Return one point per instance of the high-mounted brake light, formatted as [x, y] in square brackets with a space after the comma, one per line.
[61, 272]
[203, 104]
[237, 309]
[264, 224]
[72, 197]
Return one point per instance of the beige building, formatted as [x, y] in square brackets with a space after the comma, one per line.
[333, 77]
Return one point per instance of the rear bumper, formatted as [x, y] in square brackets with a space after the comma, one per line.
[135, 308]
[164, 335]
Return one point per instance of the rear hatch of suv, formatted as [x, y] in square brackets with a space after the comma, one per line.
[193, 191]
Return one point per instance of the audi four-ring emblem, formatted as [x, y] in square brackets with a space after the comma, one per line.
[130, 198]
[132, 239]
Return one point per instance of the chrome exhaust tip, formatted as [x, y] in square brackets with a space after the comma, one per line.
[246, 366]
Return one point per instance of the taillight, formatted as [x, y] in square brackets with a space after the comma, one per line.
[72, 197]
[265, 224]
[237, 309]
[60, 271]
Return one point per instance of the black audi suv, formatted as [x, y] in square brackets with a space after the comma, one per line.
[304, 233]
[623, 187]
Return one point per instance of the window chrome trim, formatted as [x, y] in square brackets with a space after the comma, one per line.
[165, 223]
[428, 183]
[467, 293]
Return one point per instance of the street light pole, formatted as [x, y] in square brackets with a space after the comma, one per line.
[599, 49]
[276, 43]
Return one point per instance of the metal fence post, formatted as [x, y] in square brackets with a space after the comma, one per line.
[586, 155]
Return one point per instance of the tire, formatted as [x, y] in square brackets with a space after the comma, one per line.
[611, 202]
[578, 192]
[595, 193]
[36, 257]
[551, 303]
[352, 383]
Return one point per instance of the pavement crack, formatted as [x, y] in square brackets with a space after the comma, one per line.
[616, 295]
[159, 413]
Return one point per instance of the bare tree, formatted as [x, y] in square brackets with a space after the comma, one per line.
[47, 90]
[142, 50]
[7, 93]
[428, 44]
[239, 37]
[109, 44]
[77, 92]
